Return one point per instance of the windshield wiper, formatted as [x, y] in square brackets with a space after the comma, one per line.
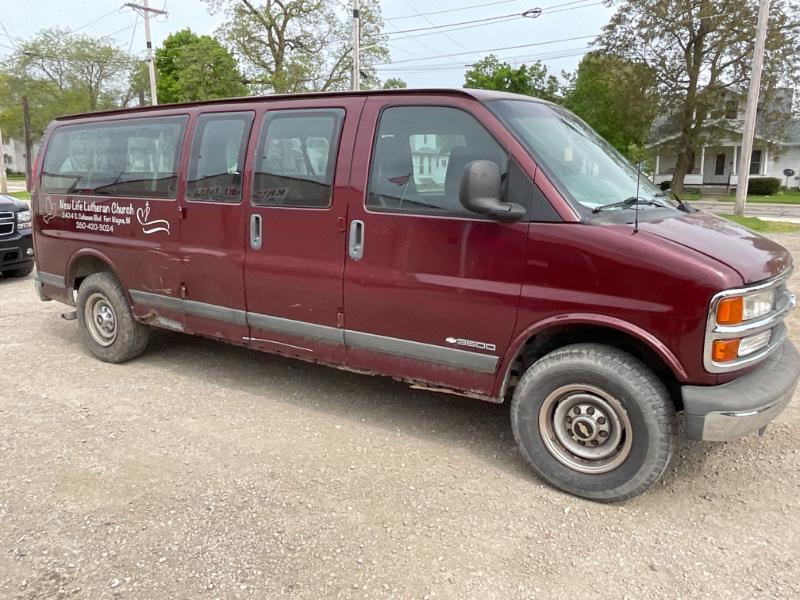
[627, 203]
[682, 206]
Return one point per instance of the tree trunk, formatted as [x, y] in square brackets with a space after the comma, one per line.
[681, 169]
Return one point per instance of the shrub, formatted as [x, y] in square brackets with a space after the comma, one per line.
[665, 185]
[763, 186]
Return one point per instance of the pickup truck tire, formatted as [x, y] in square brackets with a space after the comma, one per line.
[108, 327]
[23, 272]
[594, 421]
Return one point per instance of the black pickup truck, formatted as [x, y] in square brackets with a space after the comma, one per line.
[16, 240]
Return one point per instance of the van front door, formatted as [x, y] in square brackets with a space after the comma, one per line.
[297, 208]
[431, 290]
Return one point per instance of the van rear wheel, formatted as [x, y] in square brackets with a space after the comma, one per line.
[594, 421]
[108, 327]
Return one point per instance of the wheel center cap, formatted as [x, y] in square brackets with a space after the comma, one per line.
[583, 429]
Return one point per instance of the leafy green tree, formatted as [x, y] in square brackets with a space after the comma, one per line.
[616, 97]
[196, 67]
[394, 83]
[301, 45]
[531, 80]
[699, 49]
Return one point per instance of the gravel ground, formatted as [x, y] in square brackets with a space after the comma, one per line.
[205, 471]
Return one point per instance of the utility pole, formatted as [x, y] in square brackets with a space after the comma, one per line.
[145, 11]
[356, 47]
[752, 107]
[26, 123]
[3, 180]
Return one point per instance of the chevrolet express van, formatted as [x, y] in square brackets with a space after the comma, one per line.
[479, 243]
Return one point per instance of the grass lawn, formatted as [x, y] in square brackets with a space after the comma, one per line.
[20, 195]
[792, 197]
[762, 226]
[15, 177]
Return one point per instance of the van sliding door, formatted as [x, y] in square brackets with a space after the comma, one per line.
[297, 207]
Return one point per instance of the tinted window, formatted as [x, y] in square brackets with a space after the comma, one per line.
[296, 157]
[217, 159]
[134, 157]
[420, 154]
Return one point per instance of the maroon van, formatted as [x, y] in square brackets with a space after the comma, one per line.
[479, 243]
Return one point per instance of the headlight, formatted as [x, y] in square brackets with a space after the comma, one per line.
[738, 309]
[24, 219]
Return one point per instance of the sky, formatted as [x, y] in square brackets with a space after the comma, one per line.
[426, 57]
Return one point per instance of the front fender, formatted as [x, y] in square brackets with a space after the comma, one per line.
[586, 319]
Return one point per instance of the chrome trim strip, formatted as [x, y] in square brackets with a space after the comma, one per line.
[304, 329]
[50, 279]
[453, 357]
[784, 303]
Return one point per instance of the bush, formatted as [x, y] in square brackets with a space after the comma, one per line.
[763, 186]
[665, 185]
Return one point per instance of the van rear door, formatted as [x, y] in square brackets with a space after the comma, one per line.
[294, 261]
[431, 290]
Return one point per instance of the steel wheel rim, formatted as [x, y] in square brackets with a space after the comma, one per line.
[585, 428]
[101, 320]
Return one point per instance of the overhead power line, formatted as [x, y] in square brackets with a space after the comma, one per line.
[569, 39]
[450, 10]
[97, 20]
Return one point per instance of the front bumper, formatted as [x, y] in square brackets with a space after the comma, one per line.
[726, 412]
[16, 252]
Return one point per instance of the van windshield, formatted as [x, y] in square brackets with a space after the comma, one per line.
[584, 167]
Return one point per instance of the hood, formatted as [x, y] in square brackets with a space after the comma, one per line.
[753, 256]
[9, 203]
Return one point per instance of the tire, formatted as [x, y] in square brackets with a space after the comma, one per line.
[108, 328]
[22, 272]
[552, 421]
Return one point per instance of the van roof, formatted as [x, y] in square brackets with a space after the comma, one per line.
[481, 95]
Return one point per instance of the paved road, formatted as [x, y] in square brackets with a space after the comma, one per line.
[201, 470]
[16, 186]
[775, 212]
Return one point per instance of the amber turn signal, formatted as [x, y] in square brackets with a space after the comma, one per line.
[725, 350]
[730, 311]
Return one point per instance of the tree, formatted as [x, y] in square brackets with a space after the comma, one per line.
[697, 50]
[394, 83]
[62, 72]
[196, 67]
[616, 97]
[532, 80]
[299, 45]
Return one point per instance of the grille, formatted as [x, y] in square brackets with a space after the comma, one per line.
[7, 222]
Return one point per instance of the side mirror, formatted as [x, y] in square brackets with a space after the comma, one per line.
[480, 190]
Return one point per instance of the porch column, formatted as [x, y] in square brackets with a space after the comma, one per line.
[658, 163]
[735, 158]
[764, 163]
[702, 162]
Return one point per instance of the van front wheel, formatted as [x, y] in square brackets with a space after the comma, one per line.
[594, 421]
[108, 327]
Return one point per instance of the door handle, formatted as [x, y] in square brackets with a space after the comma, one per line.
[356, 246]
[255, 232]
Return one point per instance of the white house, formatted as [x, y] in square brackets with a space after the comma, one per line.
[13, 151]
[715, 164]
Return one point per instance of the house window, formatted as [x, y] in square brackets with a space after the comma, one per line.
[731, 109]
[719, 165]
[755, 162]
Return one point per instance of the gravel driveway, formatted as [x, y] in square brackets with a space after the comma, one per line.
[202, 470]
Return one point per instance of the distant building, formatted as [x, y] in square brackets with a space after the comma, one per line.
[14, 154]
[715, 164]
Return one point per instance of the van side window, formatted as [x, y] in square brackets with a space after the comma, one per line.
[419, 155]
[217, 159]
[131, 157]
[296, 158]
